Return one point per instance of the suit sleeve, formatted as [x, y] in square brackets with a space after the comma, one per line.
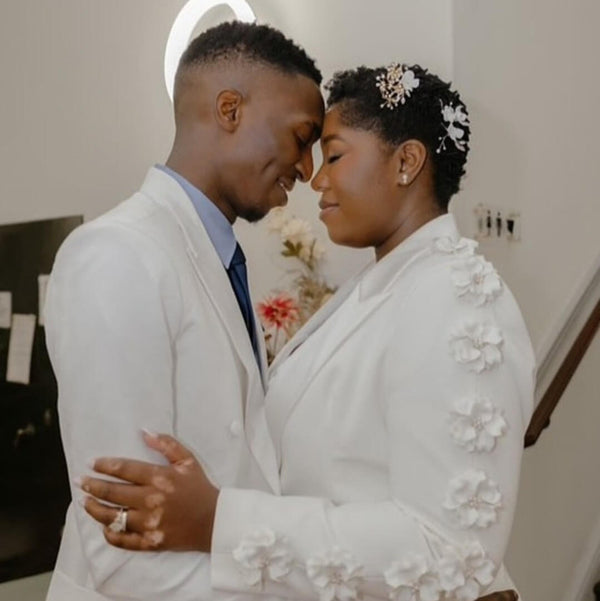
[112, 313]
[458, 388]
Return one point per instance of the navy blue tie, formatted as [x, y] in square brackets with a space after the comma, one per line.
[239, 282]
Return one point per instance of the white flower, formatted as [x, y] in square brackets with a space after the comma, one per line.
[476, 281]
[477, 346]
[335, 574]
[473, 499]
[313, 250]
[452, 116]
[261, 554]
[276, 219]
[476, 423]
[465, 572]
[409, 82]
[450, 246]
[412, 579]
[297, 231]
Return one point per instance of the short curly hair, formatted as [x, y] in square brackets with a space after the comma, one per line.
[356, 95]
[260, 43]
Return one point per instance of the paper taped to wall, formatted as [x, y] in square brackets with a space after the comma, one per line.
[20, 348]
[42, 287]
[5, 309]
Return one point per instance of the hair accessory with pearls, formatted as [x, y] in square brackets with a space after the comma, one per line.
[396, 85]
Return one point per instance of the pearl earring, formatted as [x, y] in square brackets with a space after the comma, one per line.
[405, 178]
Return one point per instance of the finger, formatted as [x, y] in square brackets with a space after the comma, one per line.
[133, 541]
[130, 470]
[117, 493]
[139, 522]
[168, 446]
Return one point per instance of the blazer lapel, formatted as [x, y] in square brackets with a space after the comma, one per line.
[205, 261]
[213, 277]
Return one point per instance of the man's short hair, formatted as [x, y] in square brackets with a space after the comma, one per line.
[260, 43]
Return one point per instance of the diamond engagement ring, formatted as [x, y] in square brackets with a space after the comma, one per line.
[119, 524]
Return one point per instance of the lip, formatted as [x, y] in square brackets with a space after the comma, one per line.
[327, 208]
[287, 183]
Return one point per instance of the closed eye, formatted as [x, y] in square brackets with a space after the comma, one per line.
[333, 158]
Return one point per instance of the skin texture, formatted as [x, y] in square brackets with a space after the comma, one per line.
[371, 195]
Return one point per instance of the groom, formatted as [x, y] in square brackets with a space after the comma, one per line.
[149, 318]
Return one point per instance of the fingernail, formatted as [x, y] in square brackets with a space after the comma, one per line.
[149, 433]
[81, 502]
[77, 481]
[91, 464]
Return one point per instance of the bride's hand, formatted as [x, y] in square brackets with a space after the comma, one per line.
[167, 507]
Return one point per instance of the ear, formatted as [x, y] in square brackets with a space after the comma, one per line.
[410, 157]
[228, 109]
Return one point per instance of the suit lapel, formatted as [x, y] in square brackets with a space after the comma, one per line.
[212, 275]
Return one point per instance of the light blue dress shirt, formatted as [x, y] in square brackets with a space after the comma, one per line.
[217, 226]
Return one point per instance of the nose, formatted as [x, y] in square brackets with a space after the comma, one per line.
[319, 181]
[304, 166]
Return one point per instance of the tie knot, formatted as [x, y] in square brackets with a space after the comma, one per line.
[238, 256]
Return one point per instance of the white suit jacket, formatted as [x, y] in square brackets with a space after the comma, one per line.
[144, 331]
[398, 414]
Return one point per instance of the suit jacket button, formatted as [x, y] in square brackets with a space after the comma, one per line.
[235, 428]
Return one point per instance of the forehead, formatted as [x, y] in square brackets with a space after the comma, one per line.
[295, 95]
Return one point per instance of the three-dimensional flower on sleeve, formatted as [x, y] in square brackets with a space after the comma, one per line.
[476, 281]
[261, 554]
[412, 578]
[476, 423]
[473, 499]
[476, 345]
[335, 574]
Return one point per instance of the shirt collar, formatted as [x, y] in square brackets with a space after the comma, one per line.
[217, 226]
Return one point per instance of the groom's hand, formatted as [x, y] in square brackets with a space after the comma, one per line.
[167, 507]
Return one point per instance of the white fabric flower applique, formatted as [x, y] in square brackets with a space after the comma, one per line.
[473, 499]
[476, 281]
[457, 122]
[465, 573]
[261, 554]
[477, 345]
[450, 246]
[335, 574]
[412, 579]
[476, 424]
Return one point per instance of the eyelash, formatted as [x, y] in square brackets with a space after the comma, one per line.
[333, 158]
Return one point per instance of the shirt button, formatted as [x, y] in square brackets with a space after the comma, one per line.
[235, 428]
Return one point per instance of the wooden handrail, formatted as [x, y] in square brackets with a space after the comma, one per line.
[542, 413]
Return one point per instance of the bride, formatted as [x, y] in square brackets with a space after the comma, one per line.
[397, 412]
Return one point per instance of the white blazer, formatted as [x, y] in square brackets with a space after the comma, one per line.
[144, 331]
[398, 414]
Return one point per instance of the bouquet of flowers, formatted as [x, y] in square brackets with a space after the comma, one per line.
[282, 313]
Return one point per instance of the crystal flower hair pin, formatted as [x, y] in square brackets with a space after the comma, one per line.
[396, 85]
[453, 119]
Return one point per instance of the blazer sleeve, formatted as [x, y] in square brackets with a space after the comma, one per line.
[112, 313]
[458, 386]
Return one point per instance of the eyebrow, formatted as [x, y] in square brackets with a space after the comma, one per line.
[330, 137]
